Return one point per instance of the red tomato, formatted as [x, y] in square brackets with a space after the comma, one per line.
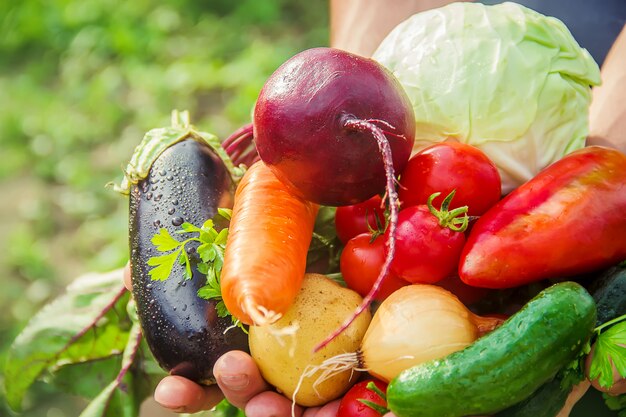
[353, 220]
[361, 262]
[350, 405]
[426, 252]
[448, 166]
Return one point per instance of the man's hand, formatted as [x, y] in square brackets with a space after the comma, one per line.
[239, 380]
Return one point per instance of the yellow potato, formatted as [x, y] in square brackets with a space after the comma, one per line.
[284, 349]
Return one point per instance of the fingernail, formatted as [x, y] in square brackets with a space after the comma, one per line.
[235, 382]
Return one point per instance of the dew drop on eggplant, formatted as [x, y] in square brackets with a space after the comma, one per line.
[177, 221]
[171, 211]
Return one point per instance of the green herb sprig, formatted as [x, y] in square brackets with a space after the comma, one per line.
[610, 350]
[212, 245]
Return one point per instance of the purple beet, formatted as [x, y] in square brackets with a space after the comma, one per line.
[304, 125]
[336, 127]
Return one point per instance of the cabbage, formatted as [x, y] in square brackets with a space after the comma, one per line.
[503, 78]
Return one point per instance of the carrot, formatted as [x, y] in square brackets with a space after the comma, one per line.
[265, 257]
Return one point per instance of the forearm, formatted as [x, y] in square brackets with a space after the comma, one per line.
[359, 26]
[607, 116]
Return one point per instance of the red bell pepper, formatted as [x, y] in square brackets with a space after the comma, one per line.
[569, 219]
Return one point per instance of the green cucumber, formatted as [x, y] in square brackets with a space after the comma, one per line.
[505, 366]
[609, 292]
[547, 401]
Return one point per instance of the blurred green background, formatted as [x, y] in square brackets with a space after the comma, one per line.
[81, 81]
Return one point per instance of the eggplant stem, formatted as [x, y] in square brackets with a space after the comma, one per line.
[353, 123]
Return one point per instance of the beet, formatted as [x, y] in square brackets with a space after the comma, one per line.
[187, 182]
[336, 128]
[303, 132]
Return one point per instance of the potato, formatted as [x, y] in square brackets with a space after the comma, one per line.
[284, 349]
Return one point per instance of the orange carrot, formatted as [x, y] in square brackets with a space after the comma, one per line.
[265, 257]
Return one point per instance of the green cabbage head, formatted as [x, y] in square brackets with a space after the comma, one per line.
[503, 78]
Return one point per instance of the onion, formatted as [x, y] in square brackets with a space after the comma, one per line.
[413, 325]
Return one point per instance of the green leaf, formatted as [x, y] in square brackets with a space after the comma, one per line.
[203, 268]
[610, 350]
[218, 262]
[84, 324]
[615, 402]
[208, 236]
[206, 252]
[324, 250]
[226, 409]
[221, 309]
[164, 242]
[225, 213]
[86, 379]
[221, 237]
[189, 228]
[163, 265]
[209, 293]
[117, 399]
[184, 260]
[208, 225]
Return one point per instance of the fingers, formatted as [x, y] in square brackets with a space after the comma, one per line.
[328, 410]
[127, 281]
[182, 395]
[271, 404]
[239, 378]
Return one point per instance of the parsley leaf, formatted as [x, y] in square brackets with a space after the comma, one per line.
[164, 242]
[212, 245]
[574, 372]
[163, 265]
[610, 350]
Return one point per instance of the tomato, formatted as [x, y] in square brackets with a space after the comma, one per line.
[361, 262]
[350, 405]
[353, 220]
[427, 247]
[448, 166]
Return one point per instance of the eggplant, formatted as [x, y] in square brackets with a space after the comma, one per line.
[186, 183]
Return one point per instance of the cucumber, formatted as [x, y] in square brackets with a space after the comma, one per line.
[609, 292]
[505, 366]
[547, 401]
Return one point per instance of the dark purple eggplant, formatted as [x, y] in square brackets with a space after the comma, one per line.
[186, 183]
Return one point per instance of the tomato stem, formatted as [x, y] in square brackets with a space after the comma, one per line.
[449, 218]
[382, 410]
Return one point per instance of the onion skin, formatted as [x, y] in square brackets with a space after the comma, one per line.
[415, 324]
